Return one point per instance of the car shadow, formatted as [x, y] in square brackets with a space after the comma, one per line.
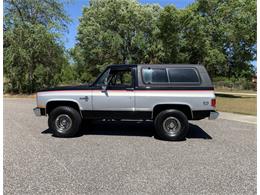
[228, 96]
[130, 128]
[196, 132]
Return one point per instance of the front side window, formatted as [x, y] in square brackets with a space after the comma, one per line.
[116, 78]
[155, 75]
[183, 75]
[120, 78]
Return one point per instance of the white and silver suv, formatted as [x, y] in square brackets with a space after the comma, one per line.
[168, 94]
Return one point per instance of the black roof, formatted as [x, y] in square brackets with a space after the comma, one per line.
[131, 65]
[165, 65]
[123, 66]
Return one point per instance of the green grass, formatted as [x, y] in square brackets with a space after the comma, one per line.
[236, 104]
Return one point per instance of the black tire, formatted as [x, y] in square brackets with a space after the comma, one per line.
[70, 115]
[174, 119]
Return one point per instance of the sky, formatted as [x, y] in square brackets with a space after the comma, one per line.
[74, 9]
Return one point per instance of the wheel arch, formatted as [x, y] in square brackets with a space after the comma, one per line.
[185, 108]
[51, 104]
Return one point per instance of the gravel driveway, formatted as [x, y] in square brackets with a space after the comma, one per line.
[124, 158]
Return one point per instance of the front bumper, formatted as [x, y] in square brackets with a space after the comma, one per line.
[39, 111]
[213, 115]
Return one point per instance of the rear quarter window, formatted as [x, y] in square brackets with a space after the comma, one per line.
[183, 75]
[155, 75]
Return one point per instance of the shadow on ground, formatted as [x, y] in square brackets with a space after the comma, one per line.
[130, 128]
[228, 96]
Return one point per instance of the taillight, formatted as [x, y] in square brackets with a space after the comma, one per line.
[213, 102]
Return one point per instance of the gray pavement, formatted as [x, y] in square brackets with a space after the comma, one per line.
[218, 157]
[238, 117]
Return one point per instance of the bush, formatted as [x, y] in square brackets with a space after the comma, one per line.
[233, 83]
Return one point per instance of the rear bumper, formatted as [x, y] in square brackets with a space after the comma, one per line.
[201, 114]
[213, 115]
[39, 111]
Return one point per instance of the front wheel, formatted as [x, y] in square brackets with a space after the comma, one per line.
[171, 125]
[64, 121]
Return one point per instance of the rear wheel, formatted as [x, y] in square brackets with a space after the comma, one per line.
[64, 121]
[171, 125]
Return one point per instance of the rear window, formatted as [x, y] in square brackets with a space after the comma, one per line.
[183, 75]
[155, 75]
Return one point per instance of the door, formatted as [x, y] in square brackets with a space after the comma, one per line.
[114, 92]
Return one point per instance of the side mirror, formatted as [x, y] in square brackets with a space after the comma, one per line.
[104, 88]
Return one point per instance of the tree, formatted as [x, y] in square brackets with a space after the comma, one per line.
[199, 46]
[33, 52]
[170, 34]
[230, 26]
[32, 58]
[116, 31]
[219, 34]
[49, 13]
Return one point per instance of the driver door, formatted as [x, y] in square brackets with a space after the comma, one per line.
[115, 91]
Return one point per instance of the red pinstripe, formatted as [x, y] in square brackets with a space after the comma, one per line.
[176, 90]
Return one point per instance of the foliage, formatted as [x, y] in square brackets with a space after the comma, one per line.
[32, 59]
[33, 52]
[68, 74]
[116, 31]
[49, 13]
[240, 83]
[219, 34]
[231, 26]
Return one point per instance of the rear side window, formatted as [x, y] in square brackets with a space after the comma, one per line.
[183, 75]
[157, 75]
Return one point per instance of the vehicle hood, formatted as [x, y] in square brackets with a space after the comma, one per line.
[67, 88]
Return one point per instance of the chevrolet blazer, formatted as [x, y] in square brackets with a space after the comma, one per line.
[167, 94]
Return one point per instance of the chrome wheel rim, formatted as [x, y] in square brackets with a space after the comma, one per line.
[63, 123]
[171, 125]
